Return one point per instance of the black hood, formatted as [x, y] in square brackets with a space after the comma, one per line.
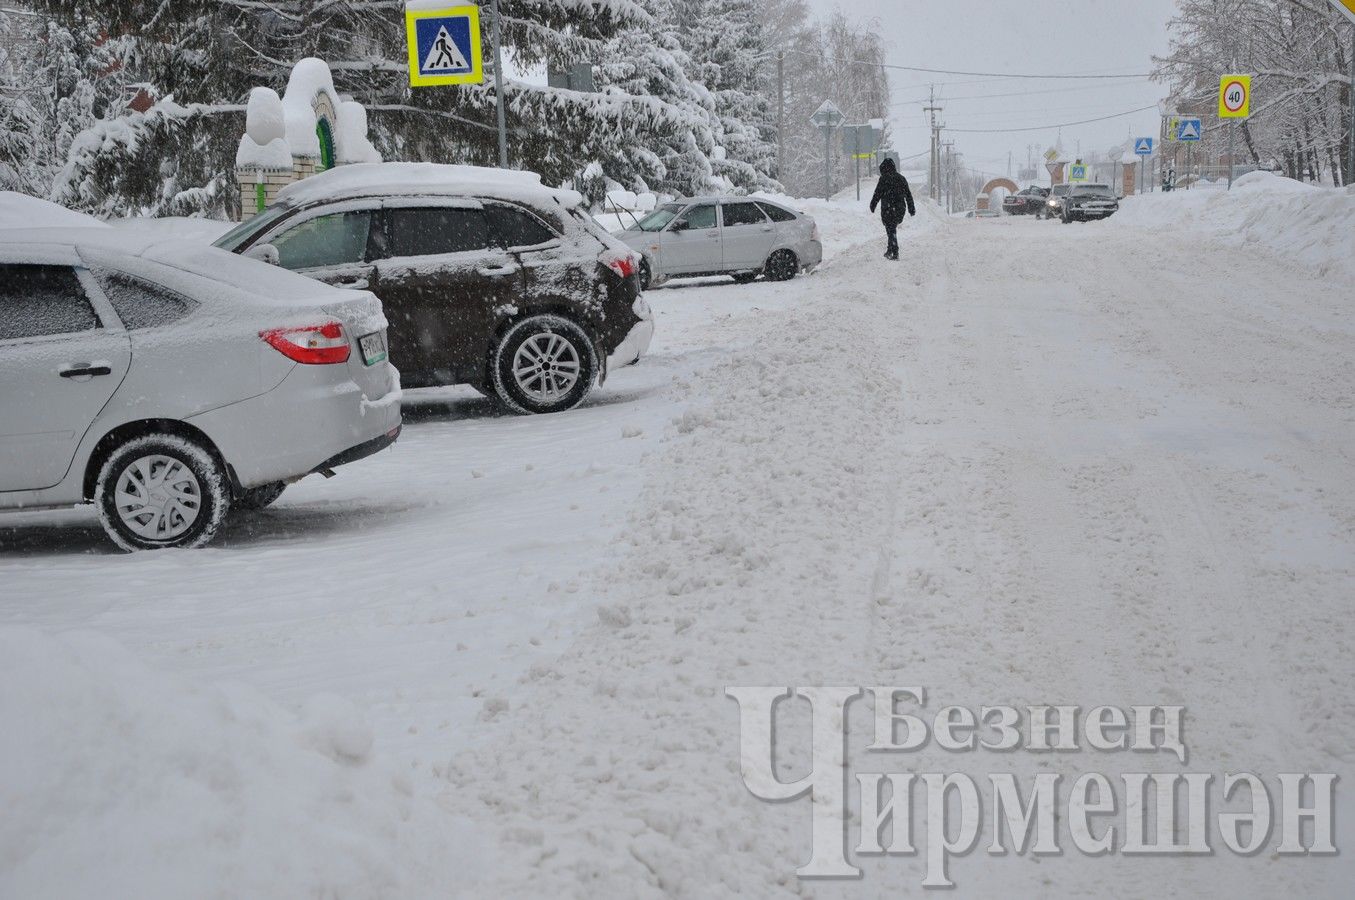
[887, 166]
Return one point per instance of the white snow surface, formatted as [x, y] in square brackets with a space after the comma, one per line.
[1312, 228]
[22, 212]
[980, 470]
[126, 781]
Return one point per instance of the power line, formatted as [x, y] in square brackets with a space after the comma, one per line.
[884, 65]
[1056, 125]
[1066, 90]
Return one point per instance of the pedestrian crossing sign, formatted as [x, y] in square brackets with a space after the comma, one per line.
[1077, 172]
[444, 46]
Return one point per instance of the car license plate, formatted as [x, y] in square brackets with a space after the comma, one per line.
[373, 348]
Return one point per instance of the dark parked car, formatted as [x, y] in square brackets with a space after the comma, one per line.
[487, 277]
[1026, 202]
[1089, 201]
[1053, 202]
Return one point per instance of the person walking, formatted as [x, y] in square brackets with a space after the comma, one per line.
[894, 199]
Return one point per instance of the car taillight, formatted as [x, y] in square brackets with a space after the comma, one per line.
[315, 345]
[623, 264]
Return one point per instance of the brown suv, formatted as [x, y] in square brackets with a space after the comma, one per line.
[487, 277]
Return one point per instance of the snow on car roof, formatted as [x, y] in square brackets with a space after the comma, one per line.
[258, 280]
[22, 211]
[368, 179]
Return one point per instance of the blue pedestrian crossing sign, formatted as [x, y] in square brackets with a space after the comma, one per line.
[444, 46]
[1077, 172]
[1143, 146]
[1188, 129]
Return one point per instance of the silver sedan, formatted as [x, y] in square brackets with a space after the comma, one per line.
[167, 382]
[740, 236]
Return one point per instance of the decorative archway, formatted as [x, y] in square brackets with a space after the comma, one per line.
[325, 134]
[1000, 183]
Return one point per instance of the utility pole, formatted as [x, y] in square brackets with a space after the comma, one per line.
[950, 176]
[780, 115]
[934, 175]
[498, 89]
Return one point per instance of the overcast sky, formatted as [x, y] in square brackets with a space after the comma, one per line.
[1028, 36]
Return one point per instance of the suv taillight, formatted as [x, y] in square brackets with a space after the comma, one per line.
[623, 264]
[315, 345]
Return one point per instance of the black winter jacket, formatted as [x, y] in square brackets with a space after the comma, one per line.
[892, 195]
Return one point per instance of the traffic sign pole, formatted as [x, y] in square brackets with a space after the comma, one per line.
[498, 89]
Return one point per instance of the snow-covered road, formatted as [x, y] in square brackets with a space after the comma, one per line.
[1028, 464]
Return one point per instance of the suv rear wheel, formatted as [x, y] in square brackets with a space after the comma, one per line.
[544, 364]
[160, 490]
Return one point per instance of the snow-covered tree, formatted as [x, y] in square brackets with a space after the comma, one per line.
[724, 41]
[1298, 51]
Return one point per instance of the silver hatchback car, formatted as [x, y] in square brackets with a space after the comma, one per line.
[166, 381]
[740, 236]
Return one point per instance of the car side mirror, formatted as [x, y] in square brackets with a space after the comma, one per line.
[264, 253]
[679, 225]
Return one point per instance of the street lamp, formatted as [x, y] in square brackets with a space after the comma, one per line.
[827, 118]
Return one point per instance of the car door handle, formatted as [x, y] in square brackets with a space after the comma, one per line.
[354, 283]
[83, 370]
[491, 271]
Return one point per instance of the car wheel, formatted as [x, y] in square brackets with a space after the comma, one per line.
[161, 490]
[544, 364]
[645, 276]
[781, 266]
[259, 497]
[745, 278]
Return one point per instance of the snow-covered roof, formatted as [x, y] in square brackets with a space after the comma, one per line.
[380, 179]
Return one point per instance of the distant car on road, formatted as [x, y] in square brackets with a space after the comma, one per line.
[1053, 202]
[1025, 202]
[488, 277]
[1086, 202]
[740, 236]
[166, 382]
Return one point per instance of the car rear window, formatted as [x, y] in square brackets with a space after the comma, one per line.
[42, 300]
[776, 213]
[743, 214]
[432, 230]
[510, 227]
[140, 304]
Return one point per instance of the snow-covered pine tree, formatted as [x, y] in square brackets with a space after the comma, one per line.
[651, 62]
[724, 41]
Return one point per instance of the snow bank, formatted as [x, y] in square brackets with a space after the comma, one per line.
[264, 143]
[1313, 227]
[123, 781]
[23, 212]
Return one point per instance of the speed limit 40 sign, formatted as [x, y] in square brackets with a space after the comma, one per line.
[1235, 97]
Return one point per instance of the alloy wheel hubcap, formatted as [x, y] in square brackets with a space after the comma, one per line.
[158, 497]
[546, 367]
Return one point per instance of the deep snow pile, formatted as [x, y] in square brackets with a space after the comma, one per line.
[123, 781]
[1312, 226]
[22, 211]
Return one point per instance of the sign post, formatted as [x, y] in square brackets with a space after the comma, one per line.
[827, 118]
[1234, 103]
[1143, 148]
[1347, 8]
[1188, 130]
[861, 142]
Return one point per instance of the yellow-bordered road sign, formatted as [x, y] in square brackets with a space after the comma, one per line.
[444, 46]
[1235, 97]
[1347, 7]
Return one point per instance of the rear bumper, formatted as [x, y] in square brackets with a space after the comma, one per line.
[311, 421]
[361, 451]
[636, 342]
[811, 254]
